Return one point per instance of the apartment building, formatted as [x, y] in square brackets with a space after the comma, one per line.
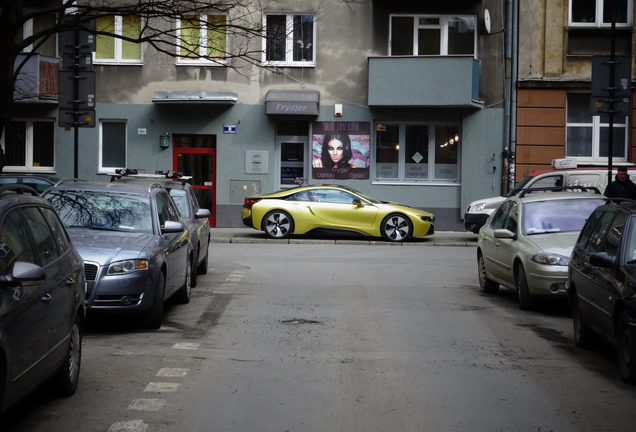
[558, 42]
[420, 88]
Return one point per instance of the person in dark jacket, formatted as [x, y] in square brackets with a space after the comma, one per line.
[622, 186]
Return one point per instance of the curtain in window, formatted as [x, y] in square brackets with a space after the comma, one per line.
[131, 27]
[216, 37]
[190, 37]
[105, 45]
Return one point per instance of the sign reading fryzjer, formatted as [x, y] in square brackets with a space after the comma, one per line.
[340, 150]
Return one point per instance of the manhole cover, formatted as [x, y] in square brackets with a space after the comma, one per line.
[300, 321]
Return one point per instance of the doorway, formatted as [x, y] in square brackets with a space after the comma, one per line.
[195, 155]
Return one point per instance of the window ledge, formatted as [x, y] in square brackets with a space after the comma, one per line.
[416, 183]
[289, 65]
[116, 63]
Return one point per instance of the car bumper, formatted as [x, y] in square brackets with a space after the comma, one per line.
[132, 293]
[474, 221]
[547, 281]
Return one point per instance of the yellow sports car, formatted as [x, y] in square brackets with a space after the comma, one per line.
[333, 209]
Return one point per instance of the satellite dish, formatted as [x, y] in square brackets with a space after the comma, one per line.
[487, 20]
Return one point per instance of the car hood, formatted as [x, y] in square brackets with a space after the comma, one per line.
[487, 204]
[393, 206]
[557, 243]
[104, 247]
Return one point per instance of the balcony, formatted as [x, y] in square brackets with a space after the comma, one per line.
[424, 81]
[38, 78]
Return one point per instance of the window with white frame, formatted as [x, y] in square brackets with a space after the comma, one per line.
[202, 39]
[432, 35]
[587, 136]
[422, 152]
[112, 145]
[29, 145]
[290, 40]
[111, 49]
[37, 24]
[599, 13]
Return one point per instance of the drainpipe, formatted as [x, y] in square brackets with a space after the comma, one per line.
[510, 95]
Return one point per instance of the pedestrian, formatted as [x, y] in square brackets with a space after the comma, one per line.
[622, 186]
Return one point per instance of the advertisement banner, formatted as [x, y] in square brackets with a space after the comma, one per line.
[340, 150]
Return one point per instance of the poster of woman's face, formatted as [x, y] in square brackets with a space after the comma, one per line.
[340, 150]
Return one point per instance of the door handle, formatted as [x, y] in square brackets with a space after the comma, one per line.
[46, 298]
[70, 282]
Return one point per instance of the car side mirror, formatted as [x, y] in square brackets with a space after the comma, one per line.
[602, 259]
[172, 227]
[503, 234]
[357, 202]
[23, 272]
[203, 213]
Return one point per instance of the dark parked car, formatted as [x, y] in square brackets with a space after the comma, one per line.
[42, 290]
[39, 182]
[193, 216]
[136, 251]
[601, 284]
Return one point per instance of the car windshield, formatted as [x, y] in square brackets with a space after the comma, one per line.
[180, 198]
[557, 215]
[102, 210]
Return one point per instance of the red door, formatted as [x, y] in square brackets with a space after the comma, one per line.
[195, 155]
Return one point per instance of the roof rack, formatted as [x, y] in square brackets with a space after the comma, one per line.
[18, 188]
[133, 173]
[524, 192]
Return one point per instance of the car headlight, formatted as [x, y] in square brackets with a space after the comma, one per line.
[551, 259]
[477, 207]
[125, 267]
[430, 219]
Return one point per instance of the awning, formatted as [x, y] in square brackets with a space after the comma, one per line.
[187, 97]
[292, 102]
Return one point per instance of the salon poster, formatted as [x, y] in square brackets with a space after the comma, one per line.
[340, 150]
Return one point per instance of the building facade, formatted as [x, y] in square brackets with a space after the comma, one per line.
[419, 89]
[557, 115]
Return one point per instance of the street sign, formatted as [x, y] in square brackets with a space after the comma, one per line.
[86, 92]
[86, 37]
[72, 118]
[622, 81]
[84, 61]
[601, 106]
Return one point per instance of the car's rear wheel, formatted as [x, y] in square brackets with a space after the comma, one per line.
[487, 286]
[396, 228]
[278, 224]
[65, 382]
[626, 347]
[584, 337]
[183, 295]
[153, 318]
[526, 302]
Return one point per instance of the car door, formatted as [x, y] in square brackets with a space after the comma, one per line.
[589, 284]
[506, 248]
[489, 244]
[25, 312]
[175, 244]
[336, 208]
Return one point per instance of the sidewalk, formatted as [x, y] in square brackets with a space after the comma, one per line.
[248, 235]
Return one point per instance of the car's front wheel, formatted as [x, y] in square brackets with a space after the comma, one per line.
[626, 347]
[203, 267]
[526, 302]
[487, 286]
[278, 224]
[153, 318]
[396, 228]
[68, 377]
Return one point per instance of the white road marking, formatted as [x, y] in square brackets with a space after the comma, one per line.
[128, 426]
[161, 387]
[147, 404]
[172, 372]
[186, 346]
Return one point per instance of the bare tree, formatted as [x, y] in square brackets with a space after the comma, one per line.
[159, 30]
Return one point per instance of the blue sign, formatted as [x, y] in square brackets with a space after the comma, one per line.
[229, 129]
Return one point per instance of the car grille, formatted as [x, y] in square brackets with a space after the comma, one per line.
[117, 300]
[91, 271]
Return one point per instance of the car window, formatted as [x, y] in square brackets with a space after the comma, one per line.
[614, 235]
[193, 199]
[333, 196]
[549, 181]
[58, 229]
[588, 229]
[557, 215]
[166, 209]
[180, 198]
[594, 244]
[14, 242]
[301, 196]
[513, 218]
[44, 241]
[630, 254]
[37, 184]
[499, 219]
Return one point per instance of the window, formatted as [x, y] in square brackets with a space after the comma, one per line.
[290, 40]
[417, 153]
[432, 35]
[598, 13]
[587, 136]
[110, 49]
[29, 145]
[44, 241]
[202, 39]
[14, 242]
[46, 47]
[112, 145]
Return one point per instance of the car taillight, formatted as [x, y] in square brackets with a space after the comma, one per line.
[249, 202]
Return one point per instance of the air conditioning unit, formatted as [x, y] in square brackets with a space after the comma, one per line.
[563, 163]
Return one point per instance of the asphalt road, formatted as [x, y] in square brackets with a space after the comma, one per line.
[317, 337]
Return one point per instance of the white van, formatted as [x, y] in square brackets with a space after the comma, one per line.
[479, 210]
